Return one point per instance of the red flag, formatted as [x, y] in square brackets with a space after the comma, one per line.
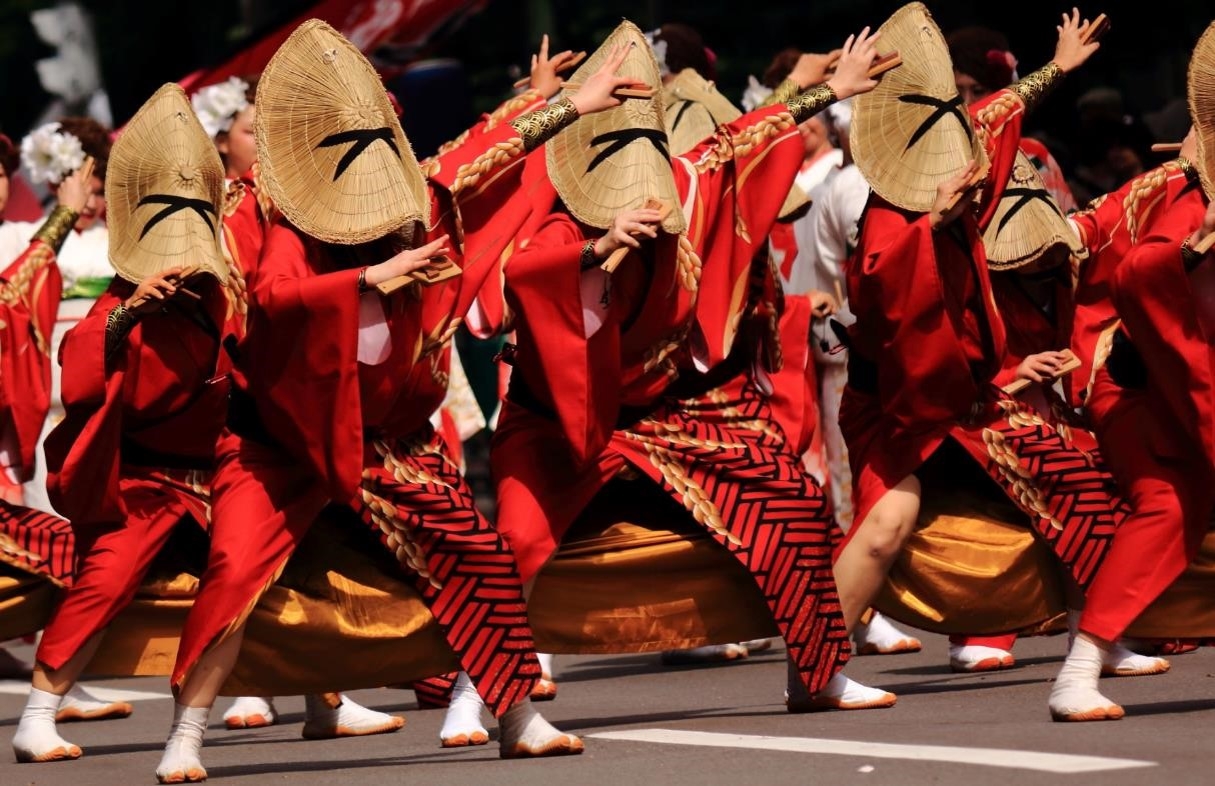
[369, 24]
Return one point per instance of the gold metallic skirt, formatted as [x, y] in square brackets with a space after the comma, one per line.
[341, 618]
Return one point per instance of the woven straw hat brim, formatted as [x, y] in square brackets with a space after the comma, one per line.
[1201, 92]
[618, 159]
[1028, 222]
[332, 153]
[164, 192]
[694, 108]
[912, 131]
[795, 205]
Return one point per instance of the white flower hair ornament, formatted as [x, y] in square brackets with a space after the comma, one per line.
[218, 105]
[755, 94]
[659, 48]
[49, 154]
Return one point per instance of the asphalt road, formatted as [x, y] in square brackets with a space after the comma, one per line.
[721, 724]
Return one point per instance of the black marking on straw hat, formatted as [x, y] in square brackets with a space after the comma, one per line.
[362, 139]
[943, 109]
[618, 140]
[1024, 196]
[176, 204]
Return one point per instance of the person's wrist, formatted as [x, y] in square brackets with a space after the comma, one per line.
[579, 100]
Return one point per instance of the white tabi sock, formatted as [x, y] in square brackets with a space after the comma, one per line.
[546, 664]
[1121, 662]
[80, 705]
[36, 739]
[348, 719]
[1074, 696]
[840, 693]
[881, 637]
[462, 724]
[182, 759]
[251, 712]
[525, 733]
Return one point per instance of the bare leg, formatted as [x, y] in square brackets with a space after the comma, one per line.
[862, 565]
[202, 686]
[182, 759]
[61, 680]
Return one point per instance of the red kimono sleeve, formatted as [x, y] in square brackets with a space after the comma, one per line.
[83, 452]
[904, 326]
[732, 186]
[1108, 229]
[795, 383]
[30, 290]
[1153, 295]
[577, 377]
[998, 120]
[303, 360]
[476, 186]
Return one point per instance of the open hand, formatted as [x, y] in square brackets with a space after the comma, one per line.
[1071, 52]
[545, 69]
[852, 72]
[407, 261]
[597, 93]
[76, 188]
[812, 69]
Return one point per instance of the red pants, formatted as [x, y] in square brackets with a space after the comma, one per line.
[111, 563]
[1171, 507]
[725, 461]
[414, 496]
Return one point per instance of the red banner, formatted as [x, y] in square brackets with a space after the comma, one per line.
[369, 24]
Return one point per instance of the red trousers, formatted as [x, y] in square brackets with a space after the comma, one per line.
[1170, 509]
[111, 562]
[415, 497]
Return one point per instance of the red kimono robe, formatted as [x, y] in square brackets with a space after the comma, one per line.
[30, 288]
[134, 454]
[1108, 228]
[1153, 409]
[315, 420]
[591, 393]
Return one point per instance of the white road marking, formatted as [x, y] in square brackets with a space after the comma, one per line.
[987, 757]
[18, 688]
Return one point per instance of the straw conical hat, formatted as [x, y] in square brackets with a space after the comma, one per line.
[1028, 221]
[694, 109]
[164, 192]
[332, 154]
[1201, 89]
[912, 131]
[618, 159]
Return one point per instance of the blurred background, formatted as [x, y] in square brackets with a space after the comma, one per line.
[107, 56]
[450, 60]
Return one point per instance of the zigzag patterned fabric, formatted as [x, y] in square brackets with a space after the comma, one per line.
[1068, 494]
[725, 461]
[466, 574]
[37, 542]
